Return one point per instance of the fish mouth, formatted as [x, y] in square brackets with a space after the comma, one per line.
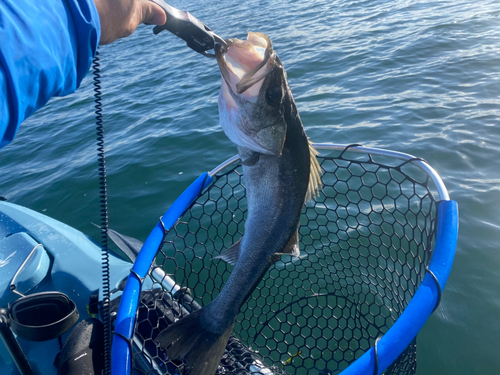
[244, 66]
[245, 63]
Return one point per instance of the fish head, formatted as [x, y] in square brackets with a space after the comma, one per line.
[252, 94]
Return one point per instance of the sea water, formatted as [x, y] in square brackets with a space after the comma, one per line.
[421, 77]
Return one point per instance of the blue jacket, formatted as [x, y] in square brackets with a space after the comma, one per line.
[46, 48]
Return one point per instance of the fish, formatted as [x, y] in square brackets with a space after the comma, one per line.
[257, 112]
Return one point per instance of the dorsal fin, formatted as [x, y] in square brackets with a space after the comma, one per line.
[314, 174]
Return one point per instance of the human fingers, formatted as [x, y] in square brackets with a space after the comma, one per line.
[120, 18]
[151, 13]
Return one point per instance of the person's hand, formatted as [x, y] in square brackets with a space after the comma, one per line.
[120, 18]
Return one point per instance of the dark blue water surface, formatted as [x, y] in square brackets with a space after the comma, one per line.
[422, 77]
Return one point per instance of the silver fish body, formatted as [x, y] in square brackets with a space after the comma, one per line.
[257, 113]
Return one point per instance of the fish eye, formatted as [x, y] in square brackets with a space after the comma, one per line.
[273, 95]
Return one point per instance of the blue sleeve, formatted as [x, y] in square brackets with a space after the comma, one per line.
[46, 48]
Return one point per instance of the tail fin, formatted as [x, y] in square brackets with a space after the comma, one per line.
[190, 340]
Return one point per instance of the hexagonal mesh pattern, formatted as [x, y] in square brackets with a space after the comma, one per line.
[364, 243]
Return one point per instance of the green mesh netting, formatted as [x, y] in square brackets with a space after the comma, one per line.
[364, 243]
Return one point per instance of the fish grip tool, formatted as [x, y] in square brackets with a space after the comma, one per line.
[198, 36]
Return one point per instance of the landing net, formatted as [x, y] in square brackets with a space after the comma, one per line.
[365, 243]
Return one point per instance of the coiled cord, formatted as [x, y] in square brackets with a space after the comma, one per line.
[103, 214]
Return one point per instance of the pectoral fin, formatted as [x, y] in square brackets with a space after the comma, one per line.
[252, 159]
[232, 254]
